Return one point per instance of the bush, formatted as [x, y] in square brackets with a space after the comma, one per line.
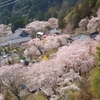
[21, 57]
[9, 62]
[96, 83]
[85, 91]
[71, 95]
[38, 96]
[48, 27]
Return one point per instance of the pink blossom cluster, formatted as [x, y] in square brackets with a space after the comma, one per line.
[98, 13]
[93, 24]
[98, 38]
[50, 42]
[83, 22]
[75, 56]
[66, 65]
[40, 25]
[53, 22]
[5, 30]
[55, 41]
[9, 69]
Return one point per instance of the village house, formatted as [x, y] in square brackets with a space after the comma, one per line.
[80, 37]
[93, 35]
[54, 31]
[19, 36]
[83, 36]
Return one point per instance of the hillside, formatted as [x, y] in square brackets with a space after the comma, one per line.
[68, 12]
[50, 66]
[86, 9]
[58, 69]
[25, 11]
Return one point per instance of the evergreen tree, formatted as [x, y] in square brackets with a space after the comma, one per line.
[18, 24]
[75, 20]
[76, 17]
[35, 9]
[98, 3]
[77, 10]
[61, 21]
[92, 3]
[84, 9]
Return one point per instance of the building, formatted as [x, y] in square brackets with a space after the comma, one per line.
[54, 31]
[93, 35]
[83, 37]
[80, 37]
[19, 36]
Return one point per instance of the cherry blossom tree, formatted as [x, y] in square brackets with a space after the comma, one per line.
[5, 30]
[37, 46]
[52, 42]
[37, 25]
[93, 24]
[32, 51]
[53, 22]
[98, 13]
[98, 38]
[83, 23]
[12, 80]
[75, 56]
[40, 25]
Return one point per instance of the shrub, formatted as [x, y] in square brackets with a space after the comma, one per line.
[96, 83]
[96, 78]
[21, 57]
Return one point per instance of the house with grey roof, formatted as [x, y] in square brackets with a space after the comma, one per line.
[80, 37]
[54, 31]
[93, 35]
[19, 36]
[83, 36]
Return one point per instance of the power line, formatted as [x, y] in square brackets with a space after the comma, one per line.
[9, 3]
[4, 2]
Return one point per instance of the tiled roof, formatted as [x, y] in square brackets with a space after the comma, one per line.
[18, 37]
[80, 36]
[54, 31]
[93, 35]
[20, 40]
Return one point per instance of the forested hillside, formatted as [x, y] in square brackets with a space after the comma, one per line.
[87, 9]
[22, 12]
[25, 10]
